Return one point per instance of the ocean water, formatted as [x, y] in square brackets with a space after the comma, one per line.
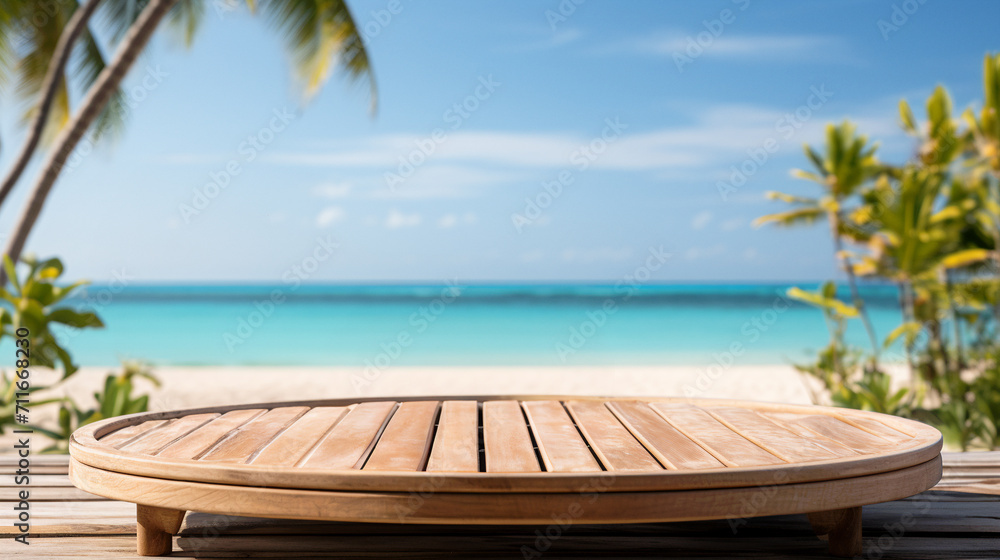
[456, 325]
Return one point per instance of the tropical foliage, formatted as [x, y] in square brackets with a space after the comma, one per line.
[36, 302]
[931, 227]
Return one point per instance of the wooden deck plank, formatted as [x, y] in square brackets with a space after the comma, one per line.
[456, 444]
[850, 436]
[153, 440]
[772, 437]
[240, 444]
[202, 439]
[406, 441]
[936, 526]
[559, 442]
[124, 435]
[727, 446]
[506, 439]
[349, 442]
[297, 440]
[613, 444]
[666, 443]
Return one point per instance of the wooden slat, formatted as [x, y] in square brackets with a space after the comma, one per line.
[830, 428]
[202, 439]
[506, 439]
[239, 445]
[153, 440]
[613, 444]
[765, 433]
[834, 447]
[128, 433]
[456, 444]
[350, 441]
[666, 443]
[727, 446]
[880, 429]
[297, 440]
[559, 442]
[406, 441]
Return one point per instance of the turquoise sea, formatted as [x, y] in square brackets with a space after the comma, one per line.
[456, 325]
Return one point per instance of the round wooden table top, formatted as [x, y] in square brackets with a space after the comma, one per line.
[507, 444]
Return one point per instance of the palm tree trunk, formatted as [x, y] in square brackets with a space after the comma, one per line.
[50, 85]
[859, 303]
[97, 97]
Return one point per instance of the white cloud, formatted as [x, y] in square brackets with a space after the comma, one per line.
[733, 224]
[701, 220]
[447, 221]
[443, 181]
[333, 190]
[397, 219]
[695, 253]
[759, 48]
[452, 220]
[329, 216]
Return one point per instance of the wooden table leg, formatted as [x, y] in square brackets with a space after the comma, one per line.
[842, 527]
[155, 528]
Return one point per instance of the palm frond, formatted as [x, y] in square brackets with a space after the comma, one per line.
[321, 35]
[795, 217]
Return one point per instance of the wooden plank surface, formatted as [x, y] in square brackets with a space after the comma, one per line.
[240, 444]
[880, 429]
[726, 445]
[293, 444]
[129, 433]
[406, 441]
[156, 439]
[506, 439]
[666, 443]
[613, 444]
[832, 446]
[349, 442]
[769, 435]
[456, 444]
[560, 444]
[202, 439]
[850, 436]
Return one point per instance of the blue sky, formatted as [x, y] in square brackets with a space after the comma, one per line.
[616, 107]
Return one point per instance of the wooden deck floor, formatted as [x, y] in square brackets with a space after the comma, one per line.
[960, 518]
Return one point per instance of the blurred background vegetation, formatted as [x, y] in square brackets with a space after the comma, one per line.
[930, 226]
